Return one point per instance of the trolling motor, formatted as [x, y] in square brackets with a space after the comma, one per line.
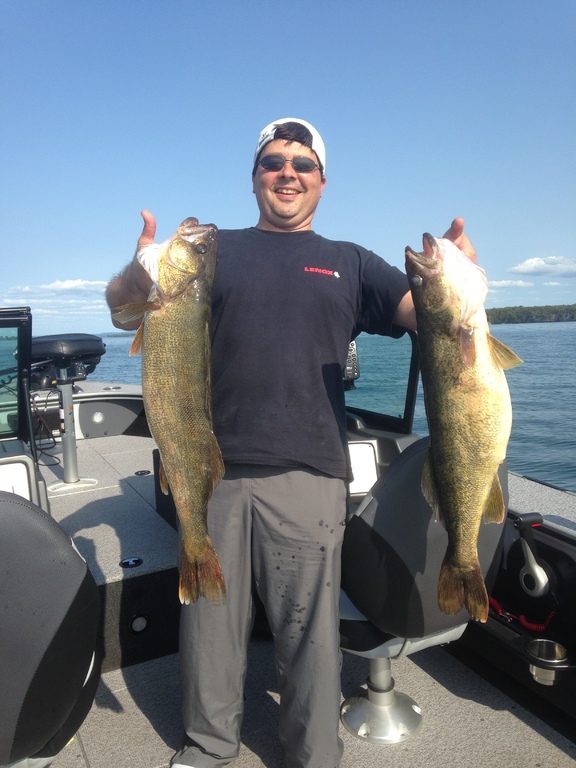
[62, 360]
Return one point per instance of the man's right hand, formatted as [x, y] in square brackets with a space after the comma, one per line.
[147, 250]
[132, 285]
[149, 230]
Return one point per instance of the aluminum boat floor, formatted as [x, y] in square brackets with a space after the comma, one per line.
[135, 720]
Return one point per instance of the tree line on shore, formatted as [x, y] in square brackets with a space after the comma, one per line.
[559, 314]
[562, 313]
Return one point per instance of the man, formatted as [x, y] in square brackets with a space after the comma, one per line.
[286, 303]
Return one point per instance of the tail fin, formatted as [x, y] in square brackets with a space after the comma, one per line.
[201, 577]
[458, 587]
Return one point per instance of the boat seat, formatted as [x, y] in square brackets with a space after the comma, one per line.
[392, 554]
[49, 665]
[76, 353]
[64, 359]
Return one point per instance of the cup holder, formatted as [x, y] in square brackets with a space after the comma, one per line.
[550, 652]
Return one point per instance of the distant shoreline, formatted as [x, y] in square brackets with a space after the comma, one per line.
[563, 313]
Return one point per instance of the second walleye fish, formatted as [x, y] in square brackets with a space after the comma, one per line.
[175, 341]
[468, 410]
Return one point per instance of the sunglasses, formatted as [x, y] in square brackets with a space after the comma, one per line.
[277, 162]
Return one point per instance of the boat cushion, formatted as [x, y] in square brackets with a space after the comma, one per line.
[65, 347]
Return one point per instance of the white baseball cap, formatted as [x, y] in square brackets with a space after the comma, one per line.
[267, 135]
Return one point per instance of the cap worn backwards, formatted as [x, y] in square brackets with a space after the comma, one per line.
[267, 135]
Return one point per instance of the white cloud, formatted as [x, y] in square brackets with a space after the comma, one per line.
[62, 305]
[62, 290]
[550, 265]
[67, 288]
[509, 284]
[88, 286]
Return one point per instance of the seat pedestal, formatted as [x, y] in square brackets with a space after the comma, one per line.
[68, 435]
[383, 715]
[71, 357]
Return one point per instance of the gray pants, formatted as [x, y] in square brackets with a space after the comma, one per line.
[281, 530]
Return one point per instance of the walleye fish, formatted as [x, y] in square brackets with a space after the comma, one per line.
[175, 343]
[468, 409]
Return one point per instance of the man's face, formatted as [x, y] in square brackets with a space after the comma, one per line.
[287, 200]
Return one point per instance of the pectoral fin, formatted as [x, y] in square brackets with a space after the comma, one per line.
[468, 345]
[130, 312]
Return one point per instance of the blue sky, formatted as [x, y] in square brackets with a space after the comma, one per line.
[429, 109]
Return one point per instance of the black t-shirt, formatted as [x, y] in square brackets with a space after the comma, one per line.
[285, 308]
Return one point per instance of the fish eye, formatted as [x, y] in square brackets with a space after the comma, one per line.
[201, 248]
[416, 280]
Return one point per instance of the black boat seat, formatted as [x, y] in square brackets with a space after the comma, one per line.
[63, 359]
[49, 666]
[76, 353]
[392, 554]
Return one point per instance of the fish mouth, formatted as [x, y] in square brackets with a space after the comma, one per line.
[429, 243]
[202, 238]
[427, 263]
[190, 229]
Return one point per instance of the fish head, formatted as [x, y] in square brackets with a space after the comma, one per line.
[447, 287]
[190, 254]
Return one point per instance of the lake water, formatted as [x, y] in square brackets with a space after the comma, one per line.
[543, 390]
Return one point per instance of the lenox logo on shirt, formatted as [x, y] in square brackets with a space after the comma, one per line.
[321, 271]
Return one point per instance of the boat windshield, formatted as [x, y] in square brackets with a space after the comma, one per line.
[387, 381]
[15, 343]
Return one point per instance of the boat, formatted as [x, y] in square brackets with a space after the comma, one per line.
[418, 688]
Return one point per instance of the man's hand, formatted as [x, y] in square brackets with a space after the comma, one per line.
[132, 285]
[147, 250]
[460, 239]
[149, 230]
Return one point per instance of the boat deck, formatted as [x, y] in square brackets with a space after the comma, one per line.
[135, 719]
